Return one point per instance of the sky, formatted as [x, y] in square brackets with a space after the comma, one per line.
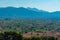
[47, 5]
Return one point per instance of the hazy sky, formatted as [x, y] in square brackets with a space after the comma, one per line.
[49, 5]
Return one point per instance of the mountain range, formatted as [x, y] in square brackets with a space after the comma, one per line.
[21, 12]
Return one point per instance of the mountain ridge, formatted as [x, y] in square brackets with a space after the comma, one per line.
[21, 12]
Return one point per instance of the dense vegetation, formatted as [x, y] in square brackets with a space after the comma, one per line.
[17, 36]
[24, 26]
[28, 25]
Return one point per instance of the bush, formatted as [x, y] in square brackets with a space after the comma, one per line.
[11, 36]
[35, 38]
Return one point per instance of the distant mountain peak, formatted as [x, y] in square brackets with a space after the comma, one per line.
[35, 9]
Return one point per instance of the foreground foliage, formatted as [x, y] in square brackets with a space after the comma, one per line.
[17, 36]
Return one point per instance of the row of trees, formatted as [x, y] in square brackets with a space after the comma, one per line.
[17, 36]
